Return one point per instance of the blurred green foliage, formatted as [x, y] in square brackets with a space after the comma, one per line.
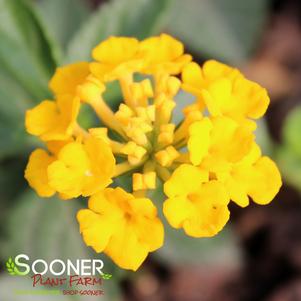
[289, 152]
[38, 36]
[226, 30]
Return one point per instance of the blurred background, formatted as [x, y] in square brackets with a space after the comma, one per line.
[258, 255]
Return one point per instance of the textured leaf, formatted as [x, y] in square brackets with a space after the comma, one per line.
[27, 62]
[24, 46]
[139, 18]
[292, 131]
[289, 163]
[61, 19]
[226, 30]
[288, 155]
[14, 100]
[20, 64]
[50, 230]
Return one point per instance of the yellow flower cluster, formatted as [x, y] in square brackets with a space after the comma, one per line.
[207, 160]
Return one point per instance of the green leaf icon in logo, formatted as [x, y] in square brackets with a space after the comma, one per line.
[106, 276]
[11, 268]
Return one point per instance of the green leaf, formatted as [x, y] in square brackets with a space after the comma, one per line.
[20, 23]
[20, 64]
[292, 131]
[44, 227]
[288, 155]
[25, 66]
[289, 163]
[20, 85]
[61, 19]
[139, 18]
[14, 100]
[226, 30]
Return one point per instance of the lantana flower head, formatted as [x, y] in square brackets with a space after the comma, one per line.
[204, 162]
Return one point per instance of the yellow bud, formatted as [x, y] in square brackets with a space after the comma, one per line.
[147, 88]
[168, 85]
[135, 152]
[139, 123]
[141, 91]
[167, 156]
[164, 109]
[166, 133]
[137, 135]
[191, 109]
[124, 114]
[147, 113]
[144, 181]
[173, 86]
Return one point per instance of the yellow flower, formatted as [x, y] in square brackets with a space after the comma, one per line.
[66, 79]
[36, 169]
[122, 226]
[164, 54]
[82, 168]
[255, 176]
[116, 57]
[237, 164]
[225, 91]
[71, 168]
[53, 120]
[36, 172]
[219, 138]
[194, 203]
[56, 120]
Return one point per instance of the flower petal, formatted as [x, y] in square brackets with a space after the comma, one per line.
[125, 248]
[264, 181]
[67, 173]
[116, 50]
[185, 179]
[36, 172]
[210, 212]
[199, 140]
[177, 210]
[67, 78]
[42, 119]
[96, 229]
